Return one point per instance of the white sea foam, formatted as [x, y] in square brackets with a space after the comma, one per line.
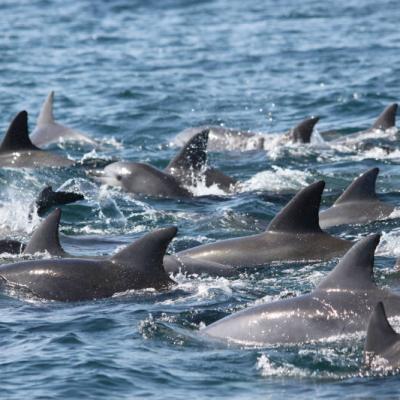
[276, 179]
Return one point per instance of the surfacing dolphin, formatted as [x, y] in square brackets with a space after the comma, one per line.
[137, 266]
[227, 139]
[340, 305]
[382, 346]
[386, 120]
[188, 167]
[46, 239]
[48, 131]
[17, 150]
[293, 235]
[358, 204]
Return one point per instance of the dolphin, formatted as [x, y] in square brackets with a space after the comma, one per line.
[46, 239]
[302, 132]
[386, 120]
[137, 266]
[340, 305]
[227, 139]
[382, 345]
[187, 168]
[358, 204]
[17, 150]
[293, 235]
[48, 131]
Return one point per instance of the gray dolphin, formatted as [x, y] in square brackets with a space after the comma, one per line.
[293, 235]
[188, 167]
[227, 139]
[358, 204]
[382, 345]
[17, 150]
[341, 304]
[386, 120]
[48, 131]
[302, 132]
[137, 266]
[46, 238]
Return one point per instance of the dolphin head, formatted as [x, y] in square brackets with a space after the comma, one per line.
[116, 174]
[139, 178]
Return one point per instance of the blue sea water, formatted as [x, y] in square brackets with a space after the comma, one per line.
[133, 74]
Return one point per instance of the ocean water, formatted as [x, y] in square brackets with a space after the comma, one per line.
[133, 74]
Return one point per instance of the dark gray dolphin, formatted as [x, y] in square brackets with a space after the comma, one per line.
[293, 235]
[382, 346]
[302, 132]
[341, 304]
[386, 120]
[48, 131]
[188, 167]
[17, 150]
[137, 266]
[227, 139]
[358, 204]
[46, 238]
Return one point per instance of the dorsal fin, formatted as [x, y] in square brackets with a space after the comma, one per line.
[302, 132]
[356, 268]
[17, 136]
[46, 237]
[301, 214]
[193, 156]
[362, 188]
[387, 119]
[46, 112]
[380, 334]
[148, 251]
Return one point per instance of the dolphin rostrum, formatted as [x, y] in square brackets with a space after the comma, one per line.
[293, 235]
[341, 304]
[358, 204]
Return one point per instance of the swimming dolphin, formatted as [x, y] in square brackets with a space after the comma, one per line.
[386, 120]
[185, 169]
[382, 346]
[227, 139]
[358, 204]
[48, 131]
[137, 266]
[302, 132]
[46, 239]
[341, 304]
[17, 150]
[293, 235]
